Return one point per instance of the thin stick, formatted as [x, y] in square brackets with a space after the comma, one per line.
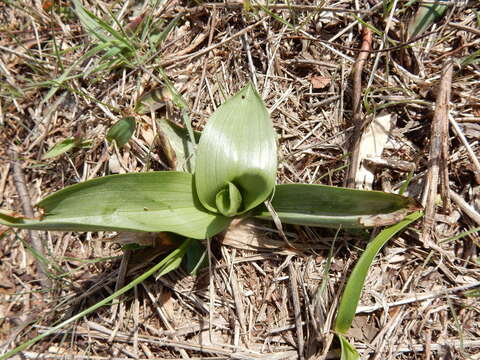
[122, 273]
[465, 28]
[416, 298]
[3, 180]
[465, 207]
[438, 156]
[356, 106]
[297, 310]
[465, 143]
[33, 236]
[250, 60]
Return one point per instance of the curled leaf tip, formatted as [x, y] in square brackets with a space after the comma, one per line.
[236, 156]
[229, 200]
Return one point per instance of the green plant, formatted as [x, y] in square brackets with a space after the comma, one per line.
[235, 171]
[235, 174]
[351, 293]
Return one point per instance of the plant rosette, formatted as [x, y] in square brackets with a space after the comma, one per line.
[234, 174]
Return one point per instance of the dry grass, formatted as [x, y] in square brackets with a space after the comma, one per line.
[254, 302]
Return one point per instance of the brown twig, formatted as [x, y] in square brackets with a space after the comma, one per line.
[465, 207]
[438, 155]
[122, 273]
[3, 180]
[471, 154]
[33, 236]
[297, 310]
[356, 105]
[465, 28]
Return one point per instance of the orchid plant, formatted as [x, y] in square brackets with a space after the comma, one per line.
[234, 176]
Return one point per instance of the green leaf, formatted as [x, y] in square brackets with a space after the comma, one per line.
[320, 205]
[177, 146]
[65, 146]
[122, 131]
[348, 351]
[425, 16]
[473, 58]
[60, 148]
[237, 148]
[229, 200]
[196, 257]
[99, 29]
[154, 201]
[353, 289]
[472, 293]
[171, 263]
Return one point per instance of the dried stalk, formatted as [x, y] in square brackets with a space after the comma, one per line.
[357, 106]
[438, 155]
[33, 236]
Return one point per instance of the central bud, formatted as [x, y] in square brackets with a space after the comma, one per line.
[229, 200]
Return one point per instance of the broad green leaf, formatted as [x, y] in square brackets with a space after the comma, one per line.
[64, 146]
[348, 351]
[320, 205]
[425, 16]
[237, 148]
[177, 145]
[154, 201]
[353, 289]
[161, 268]
[122, 131]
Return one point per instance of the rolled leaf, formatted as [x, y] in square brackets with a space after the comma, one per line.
[237, 147]
[154, 201]
[328, 206]
[229, 200]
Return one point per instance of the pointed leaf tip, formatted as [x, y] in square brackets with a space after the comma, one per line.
[237, 151]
